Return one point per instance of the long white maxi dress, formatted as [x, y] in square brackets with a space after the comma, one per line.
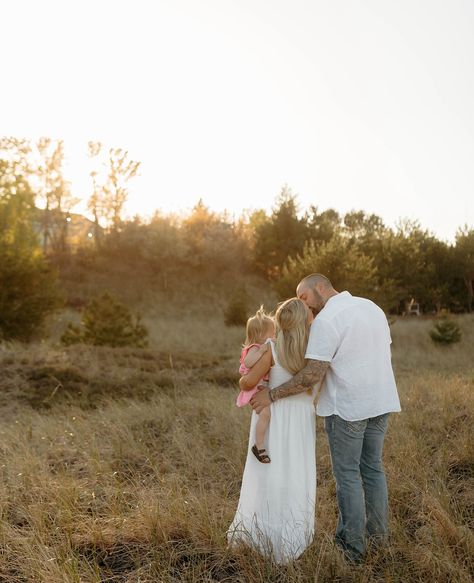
[276, 508]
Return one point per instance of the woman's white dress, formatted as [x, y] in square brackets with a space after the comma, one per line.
[276, 508]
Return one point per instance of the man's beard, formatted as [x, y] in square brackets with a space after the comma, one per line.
[320, 306]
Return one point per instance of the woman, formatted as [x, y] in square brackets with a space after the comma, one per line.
[276, 508]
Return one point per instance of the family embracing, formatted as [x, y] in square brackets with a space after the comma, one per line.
[338, 346]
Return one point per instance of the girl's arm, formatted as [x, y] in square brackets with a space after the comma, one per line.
[254, 355]
[259, 370]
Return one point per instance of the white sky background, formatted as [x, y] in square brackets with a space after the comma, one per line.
[363, 104]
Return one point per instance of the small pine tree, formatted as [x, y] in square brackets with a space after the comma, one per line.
[236, 312]
[445, 332]
[107, 322]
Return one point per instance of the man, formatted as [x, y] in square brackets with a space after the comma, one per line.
[349, 345]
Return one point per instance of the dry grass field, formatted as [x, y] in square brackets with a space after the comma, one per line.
[124, 465]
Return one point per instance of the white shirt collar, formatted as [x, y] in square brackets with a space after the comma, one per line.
[342, 294]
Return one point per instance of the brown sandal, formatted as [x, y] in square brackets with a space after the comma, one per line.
[260, 455]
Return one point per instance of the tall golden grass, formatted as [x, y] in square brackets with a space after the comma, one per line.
[125, 464]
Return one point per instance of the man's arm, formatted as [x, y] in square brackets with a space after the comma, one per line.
[311, 374]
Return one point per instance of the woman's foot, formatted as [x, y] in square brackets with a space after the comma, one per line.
[260, 454]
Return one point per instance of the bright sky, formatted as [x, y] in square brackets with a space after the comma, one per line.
[355, 104]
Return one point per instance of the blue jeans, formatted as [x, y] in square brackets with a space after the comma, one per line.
[356, 455]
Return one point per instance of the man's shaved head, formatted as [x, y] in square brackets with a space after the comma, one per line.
[315, 290]
[314, 279]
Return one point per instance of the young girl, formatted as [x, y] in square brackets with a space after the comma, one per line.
[259, 328]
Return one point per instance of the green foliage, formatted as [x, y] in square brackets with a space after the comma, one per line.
[236, 312]
[17, 209]
[446, 332]
[356, 250]
[322, 226]
[281, 236]
[345, 265]
[28, 284]
[464, 260]
[72, 335]
[28, 293]
[213, 244]
[107, 322]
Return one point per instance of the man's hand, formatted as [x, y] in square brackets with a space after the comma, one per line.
[260, 400]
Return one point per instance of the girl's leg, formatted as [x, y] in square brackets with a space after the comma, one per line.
[261, 427]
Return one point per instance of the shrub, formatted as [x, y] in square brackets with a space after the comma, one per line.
[236, 312]
[445, 332]
[107, 322]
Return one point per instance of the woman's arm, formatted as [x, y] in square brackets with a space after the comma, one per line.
[259, 370]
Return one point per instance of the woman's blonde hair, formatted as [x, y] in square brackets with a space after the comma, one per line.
[257, 326]
[292, 331]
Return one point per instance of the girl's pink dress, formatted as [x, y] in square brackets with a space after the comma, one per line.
[244, 397]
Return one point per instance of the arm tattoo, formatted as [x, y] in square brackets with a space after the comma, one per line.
[311, 374]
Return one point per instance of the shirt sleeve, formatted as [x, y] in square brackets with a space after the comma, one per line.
[323, 341]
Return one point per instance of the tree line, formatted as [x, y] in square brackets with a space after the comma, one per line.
[203, 249]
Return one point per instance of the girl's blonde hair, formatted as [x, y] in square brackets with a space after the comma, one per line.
[292, 331]
[257, 326]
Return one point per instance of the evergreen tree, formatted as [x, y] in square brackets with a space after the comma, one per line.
[281, 236]
[445, 332]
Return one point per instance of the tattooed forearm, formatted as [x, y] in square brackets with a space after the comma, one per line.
[311, 374]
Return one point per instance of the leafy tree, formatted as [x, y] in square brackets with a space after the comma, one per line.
[28, 290]
[17, 208]
[165, 250]
[28, 293]
[405, 266]
[360, 226]
[95, 202]
[120, 170]
[17, 152]
[367, 232]
[439, 275]
[464, 255]
[322, 226]
[55, 194]
[345, 265]
[107, 322]
[215, 245]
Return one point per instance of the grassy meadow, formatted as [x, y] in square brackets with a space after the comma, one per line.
[124, 465]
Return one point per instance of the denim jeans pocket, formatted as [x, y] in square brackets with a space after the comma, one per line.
[381, 421]
[355, 426]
